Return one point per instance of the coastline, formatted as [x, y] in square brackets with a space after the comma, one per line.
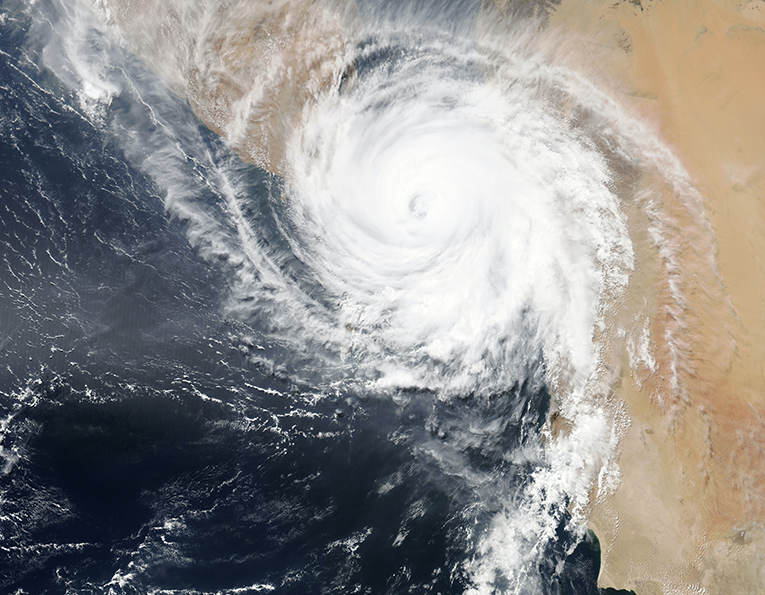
[688, 516]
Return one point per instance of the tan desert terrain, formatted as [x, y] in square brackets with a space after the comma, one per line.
[688, 516]
[248, 69]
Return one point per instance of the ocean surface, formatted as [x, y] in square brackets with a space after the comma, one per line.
[206, 387]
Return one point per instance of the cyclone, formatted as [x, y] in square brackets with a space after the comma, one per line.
[423, 260]
[456, 228]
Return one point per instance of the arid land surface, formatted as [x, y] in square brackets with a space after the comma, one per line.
[688, 516]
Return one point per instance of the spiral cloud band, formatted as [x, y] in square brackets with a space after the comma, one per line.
[436, 219]
[460, 225]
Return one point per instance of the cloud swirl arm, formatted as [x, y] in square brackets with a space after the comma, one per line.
[248, 69]
[458, 220]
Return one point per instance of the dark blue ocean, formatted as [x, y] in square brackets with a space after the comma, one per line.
[144, 449]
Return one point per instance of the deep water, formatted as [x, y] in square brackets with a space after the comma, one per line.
[146, 451]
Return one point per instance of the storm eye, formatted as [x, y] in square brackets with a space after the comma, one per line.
[418, 207]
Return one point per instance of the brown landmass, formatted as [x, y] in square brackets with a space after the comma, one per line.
[689, 515]
[248, 69]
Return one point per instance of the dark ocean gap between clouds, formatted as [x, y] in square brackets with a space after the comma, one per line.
[104, 470]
